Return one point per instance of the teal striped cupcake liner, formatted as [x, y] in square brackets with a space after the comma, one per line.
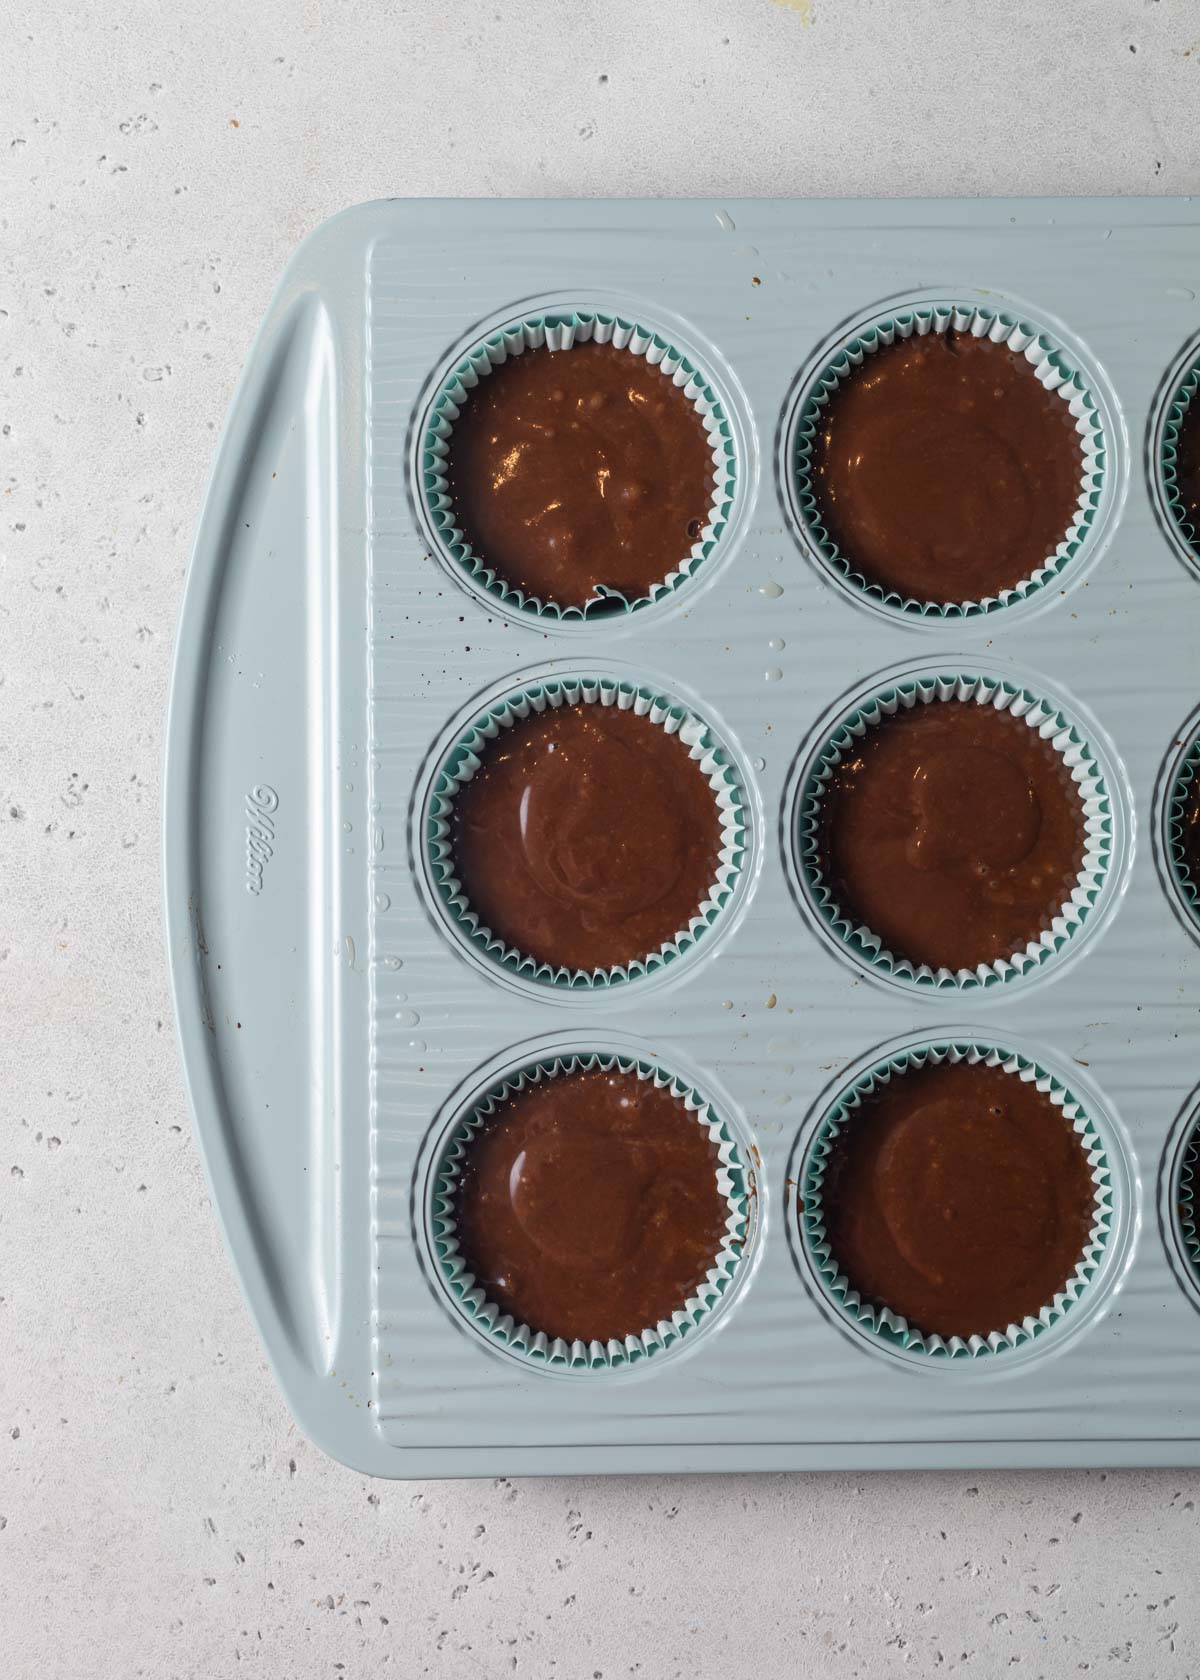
[464, 760]
[560, 332]
[892, 1329]
[863, 943]
[1183, 793]
[1055, 371]
[554, 1352]
[1168, 464]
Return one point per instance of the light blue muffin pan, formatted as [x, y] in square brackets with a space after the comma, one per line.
[337, 1027]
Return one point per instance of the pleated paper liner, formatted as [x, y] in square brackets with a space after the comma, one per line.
[465, 758]
[526, 1340]
[1168, 461]
[892, 1329]
[1053, 368]
[862, 942]
[560, 332]
[1182, 795]
[1187, 1208]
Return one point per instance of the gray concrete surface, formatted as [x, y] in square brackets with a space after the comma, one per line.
[159, 1514]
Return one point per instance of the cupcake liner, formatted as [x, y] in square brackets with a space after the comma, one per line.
[465, 758]
[892, 1328]
[559, 332]
[866, 945]
[1055, 372]
[1169, 455]
[1182, 791]
[1187, 1212]
[521, 1338]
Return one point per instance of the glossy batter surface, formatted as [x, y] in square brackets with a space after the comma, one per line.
[960, 1197]
[587, 838]
[954, 832]
[588, 1206]
[944, 470]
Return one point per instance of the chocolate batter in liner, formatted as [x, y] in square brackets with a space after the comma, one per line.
[725, 1227]
[704, 751]
[558, 334]
[865, 943]
[1183, 829]
[1046, 366]
[1180, 460]
[1054, 1216]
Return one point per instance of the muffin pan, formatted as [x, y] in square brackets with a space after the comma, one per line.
[339, 652]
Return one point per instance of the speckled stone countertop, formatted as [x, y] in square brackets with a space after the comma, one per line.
[159, 1513]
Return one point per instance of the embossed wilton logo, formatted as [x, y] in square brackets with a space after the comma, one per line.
[262, 802]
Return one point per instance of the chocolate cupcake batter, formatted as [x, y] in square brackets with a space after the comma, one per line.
[944, 470]
[588, 1206]
[1187, 463]
[954, 832]
[960, 1197]
[582, 471]
[588, 837]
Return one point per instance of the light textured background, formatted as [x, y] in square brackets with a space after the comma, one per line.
[159, 1514]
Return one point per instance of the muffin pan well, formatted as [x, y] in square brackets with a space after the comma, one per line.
[924, 1200]
[557, 331]
[978, 453]
[341, 657]
[1103, 815]
[584, 844]
[613, 1234]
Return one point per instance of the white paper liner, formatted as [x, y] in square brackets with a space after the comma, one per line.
[1183, 790]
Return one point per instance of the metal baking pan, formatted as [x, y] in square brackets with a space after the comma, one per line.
[332, 1027]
